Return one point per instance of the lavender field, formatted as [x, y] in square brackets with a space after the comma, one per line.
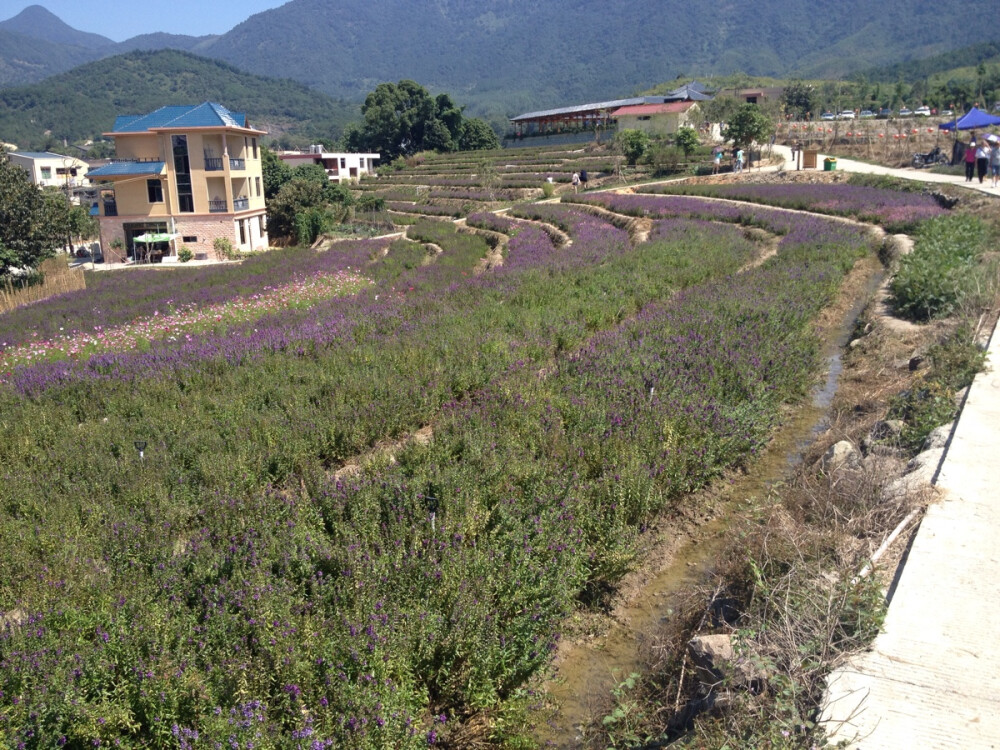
[897, 211]
[229, 588]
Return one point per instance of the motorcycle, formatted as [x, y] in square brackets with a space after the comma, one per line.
[931, 158]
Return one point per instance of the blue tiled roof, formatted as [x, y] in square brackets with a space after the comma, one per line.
[206, 115]
[118, 168]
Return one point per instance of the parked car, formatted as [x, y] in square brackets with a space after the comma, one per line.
[847, 114]
[866, 113]
[947, 113]
[922, 111]
[828, 116]
[904, 112]
[885, 113]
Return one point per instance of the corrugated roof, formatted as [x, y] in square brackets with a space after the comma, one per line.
[653, 109]
[119, 168]
[582, 108]
[205, 115]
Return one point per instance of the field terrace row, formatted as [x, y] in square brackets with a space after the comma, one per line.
[229, 587]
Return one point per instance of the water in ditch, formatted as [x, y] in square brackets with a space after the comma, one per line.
[587, 671]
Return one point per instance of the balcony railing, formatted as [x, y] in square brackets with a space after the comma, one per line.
[213, 164]
[110, 208]
[241, 204]
[237, 164]
[217, 206]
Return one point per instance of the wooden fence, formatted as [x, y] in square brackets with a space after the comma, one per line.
[58, 279]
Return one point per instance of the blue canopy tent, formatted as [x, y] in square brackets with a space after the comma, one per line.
[974, 119]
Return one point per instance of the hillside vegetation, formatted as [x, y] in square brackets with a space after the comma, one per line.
[83, 102]
[507, 56]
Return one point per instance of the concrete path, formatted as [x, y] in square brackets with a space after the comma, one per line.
[932, 678]
[919, 175]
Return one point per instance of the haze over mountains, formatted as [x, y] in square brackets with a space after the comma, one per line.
[514, 54]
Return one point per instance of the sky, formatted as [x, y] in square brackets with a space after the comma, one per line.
[121, 19]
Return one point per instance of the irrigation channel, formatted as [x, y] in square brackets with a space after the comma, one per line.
[586, 671]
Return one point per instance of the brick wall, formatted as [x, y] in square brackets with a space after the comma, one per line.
[205, 228]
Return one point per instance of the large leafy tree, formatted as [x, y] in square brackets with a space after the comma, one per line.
[403, 118]
[798, 98]
[27, 231]
[749, 124]
[477, 135]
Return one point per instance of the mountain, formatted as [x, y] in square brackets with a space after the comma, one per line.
[83, 102]
[564, 51]
[944, 64]
[25, 60]
[506, 56]
[38, 23]
[161, 40]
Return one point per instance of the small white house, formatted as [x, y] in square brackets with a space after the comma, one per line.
[340, 167]
[51, 170]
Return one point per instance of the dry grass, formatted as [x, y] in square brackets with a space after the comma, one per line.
[59, 278]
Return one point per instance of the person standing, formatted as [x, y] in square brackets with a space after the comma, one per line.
[576, 182]
[995, 162]
[583, 179]
[716, 160]
[982, 159]
[970, 160]
[739, 160]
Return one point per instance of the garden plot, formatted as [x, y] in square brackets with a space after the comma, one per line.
[227, 586]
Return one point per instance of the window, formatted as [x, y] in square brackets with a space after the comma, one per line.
[343, 163]
[243, 232]
[254, 148]
[154, 191]
[260, 225]
[257, 182]
[46, 173]
[189, 238]
[182, 166]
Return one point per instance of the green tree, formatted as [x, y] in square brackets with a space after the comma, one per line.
[686, 139]
[632, 144]
[798, 98]
[477, 135]
[749, 124]
[275, 172]
[26, 237]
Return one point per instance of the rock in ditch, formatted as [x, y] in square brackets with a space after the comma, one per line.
[840, 455]
[715, 659]
[938, 437]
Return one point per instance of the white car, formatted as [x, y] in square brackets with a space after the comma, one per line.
[922, 111]
[866, 113]
[904, 112]
[847, 114]
[828, 116]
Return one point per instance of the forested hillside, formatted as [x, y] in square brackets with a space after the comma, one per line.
[84, 102]
[508, 56]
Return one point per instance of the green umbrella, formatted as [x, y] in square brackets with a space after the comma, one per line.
[148, 238]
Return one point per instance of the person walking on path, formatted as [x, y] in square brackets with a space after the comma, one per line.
[995, 161]
[576, 182]
[716, 160]
[982, 159]
[739, 160]
[970, 160]
[583, 179]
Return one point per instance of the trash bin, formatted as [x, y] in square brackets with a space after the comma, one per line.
[830, 164]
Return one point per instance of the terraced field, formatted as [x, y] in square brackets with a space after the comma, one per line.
[359, 517]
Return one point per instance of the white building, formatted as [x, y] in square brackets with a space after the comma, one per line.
[339, 167]
[51, 170]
